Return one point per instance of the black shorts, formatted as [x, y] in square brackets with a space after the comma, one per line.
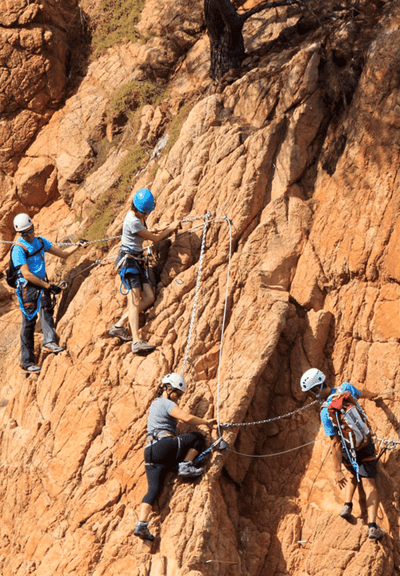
[366, 460]
[135, 280]
[133, 272]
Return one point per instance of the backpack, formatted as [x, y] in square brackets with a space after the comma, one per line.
[12, 271]
[351, 420]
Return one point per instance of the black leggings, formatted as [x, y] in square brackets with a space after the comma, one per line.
[164, 456]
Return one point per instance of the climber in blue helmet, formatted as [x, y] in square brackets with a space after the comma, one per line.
[132, 270]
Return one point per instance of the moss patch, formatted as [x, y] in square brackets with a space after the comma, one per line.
[102, 216]
[116, 24]
[175, 127]
[134, 96]
[129, 167]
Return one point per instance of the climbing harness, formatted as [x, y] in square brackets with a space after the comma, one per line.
[15, 280]
[22, 306]
[134, 263]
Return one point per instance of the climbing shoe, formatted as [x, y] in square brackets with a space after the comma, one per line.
[31, 368]
[346, 512]
[187, 470]
[53, 347]
[141, 346]
[375, 532]
[142, 531]
[120, 332]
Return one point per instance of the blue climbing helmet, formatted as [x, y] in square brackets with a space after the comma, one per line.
[143, 201]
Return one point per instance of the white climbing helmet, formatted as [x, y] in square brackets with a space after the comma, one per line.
[313, 377]
[22, 222]
[175, 381]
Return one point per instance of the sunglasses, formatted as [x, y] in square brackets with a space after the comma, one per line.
[27, 232]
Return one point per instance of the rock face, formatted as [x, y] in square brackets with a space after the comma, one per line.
[300, 153]
[33, 70]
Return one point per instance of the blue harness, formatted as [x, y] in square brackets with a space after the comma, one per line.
[22, 282]
[21, 303]
[130, 263]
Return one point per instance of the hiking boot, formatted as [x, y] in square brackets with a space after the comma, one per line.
[53, 347]
[187, 470]
[120, 332]
[374, 533]
[346, 512]
[31, 368]
[142, 346]
[142, 532]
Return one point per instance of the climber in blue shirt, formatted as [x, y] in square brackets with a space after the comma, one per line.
[34, 292]
[313, 383]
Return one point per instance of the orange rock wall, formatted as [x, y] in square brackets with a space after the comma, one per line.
[308, 180]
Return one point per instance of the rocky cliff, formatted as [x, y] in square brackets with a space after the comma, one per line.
[299, 149]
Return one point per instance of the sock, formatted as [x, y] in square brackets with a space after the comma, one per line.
[372, 525]
[349, 504]
[142, 523]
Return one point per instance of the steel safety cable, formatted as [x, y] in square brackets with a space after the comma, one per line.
[228, 272]
[108, 238]
[193, 316]
[236, 424]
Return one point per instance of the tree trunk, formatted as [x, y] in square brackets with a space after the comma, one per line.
[224, 28]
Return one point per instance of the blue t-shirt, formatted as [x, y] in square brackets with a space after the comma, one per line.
[329, 428]
[160, 417]
[36, 264]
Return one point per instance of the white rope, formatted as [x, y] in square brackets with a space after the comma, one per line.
[203, 240]
[276, 453]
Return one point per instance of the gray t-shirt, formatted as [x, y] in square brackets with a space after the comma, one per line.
[131, 241]
[160, 417]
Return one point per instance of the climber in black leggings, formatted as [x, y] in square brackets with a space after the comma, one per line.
[164, 450]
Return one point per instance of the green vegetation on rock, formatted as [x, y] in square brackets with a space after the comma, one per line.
[116, 24]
